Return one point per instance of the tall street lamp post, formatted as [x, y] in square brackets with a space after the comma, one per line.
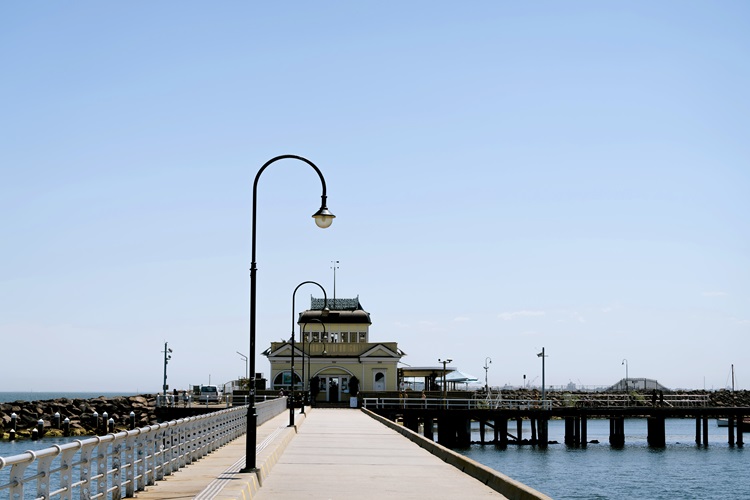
[487, 362]
[306, 381]
[544, 393]
[325, 308]
[167, 357]
[323, 218]
[247, 378]
[445, 384]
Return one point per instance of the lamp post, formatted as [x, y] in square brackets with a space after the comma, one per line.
[323, 218]
[247, 378]
[325, 307]
[627, 384]
[309, 344]
[544, 394]
[167, 357]
[487, 362]
[445, 384]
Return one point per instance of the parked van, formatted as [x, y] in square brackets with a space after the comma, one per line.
[209, 394]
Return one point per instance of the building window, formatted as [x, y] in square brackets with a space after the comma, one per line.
[283, 380]
[363, 336]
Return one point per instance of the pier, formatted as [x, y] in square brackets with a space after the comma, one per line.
[329, 453]
[334, 453]
[453, 418]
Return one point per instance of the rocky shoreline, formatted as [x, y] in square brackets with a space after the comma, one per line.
[79, 412]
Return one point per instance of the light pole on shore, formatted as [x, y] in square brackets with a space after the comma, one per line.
[487, 363]
[445, 383]
[627, 384]
[544, 393]
[323, 218]
[167, 357]
[325, 308]
[247, 378]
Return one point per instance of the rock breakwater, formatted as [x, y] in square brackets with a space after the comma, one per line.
[85, 415]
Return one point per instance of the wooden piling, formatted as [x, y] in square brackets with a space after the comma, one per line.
[705, 431]
[584, 430]
[656, 432]
[519, 429]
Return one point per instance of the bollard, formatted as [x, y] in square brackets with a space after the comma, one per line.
[95, 424]
[12, 435]
[132, 420]
[111, 426]
[56, 420]
[40, 427]
[66, 427]
[105, 417]
[34, 434]
[13, 421]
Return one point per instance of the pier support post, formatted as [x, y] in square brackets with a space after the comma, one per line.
[705, 431]
[411, 422]
[532, 421]
[697, 430]
[730, 429]
[740, 425]
[617, 431]
[584, 430]
[656, 433]
[428, 429]
[519, 429]
[481, 431]
[569, 431]
[543, 428]
[501, 425]
[463, 432]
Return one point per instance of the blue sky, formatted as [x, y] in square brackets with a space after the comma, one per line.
[506, 176]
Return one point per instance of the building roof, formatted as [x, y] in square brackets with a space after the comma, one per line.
[335, 304]
[339, 311]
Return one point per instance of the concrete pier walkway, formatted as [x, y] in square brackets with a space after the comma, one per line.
[336, 454]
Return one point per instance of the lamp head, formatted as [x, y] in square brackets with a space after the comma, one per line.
[323, 218]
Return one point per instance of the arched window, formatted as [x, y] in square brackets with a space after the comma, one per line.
[283, 381]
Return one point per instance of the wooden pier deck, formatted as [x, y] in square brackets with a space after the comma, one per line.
[335, 454]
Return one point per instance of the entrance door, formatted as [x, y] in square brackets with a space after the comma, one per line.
[334, 387]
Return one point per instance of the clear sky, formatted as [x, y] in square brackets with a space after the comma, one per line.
[506, 176]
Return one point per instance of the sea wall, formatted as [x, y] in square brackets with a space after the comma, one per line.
[79, 411]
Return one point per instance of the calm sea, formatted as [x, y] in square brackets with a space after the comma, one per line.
[680, 470]
[9, 397]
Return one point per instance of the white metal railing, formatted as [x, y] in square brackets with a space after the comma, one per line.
[118, 464]
[451, 404]
[565, 400]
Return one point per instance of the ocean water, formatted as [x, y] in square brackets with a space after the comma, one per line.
[681, 470]
[9, 397]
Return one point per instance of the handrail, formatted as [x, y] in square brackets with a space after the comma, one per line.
[577, 400]
[123, 462]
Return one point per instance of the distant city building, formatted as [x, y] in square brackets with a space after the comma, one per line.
[335, 343]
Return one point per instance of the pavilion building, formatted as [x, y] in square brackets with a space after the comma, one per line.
[333, 354]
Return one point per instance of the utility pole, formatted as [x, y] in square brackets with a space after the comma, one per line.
[335, 265]
[167, 356]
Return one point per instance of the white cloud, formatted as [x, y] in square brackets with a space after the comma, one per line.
[461, 319]
[519, 314]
